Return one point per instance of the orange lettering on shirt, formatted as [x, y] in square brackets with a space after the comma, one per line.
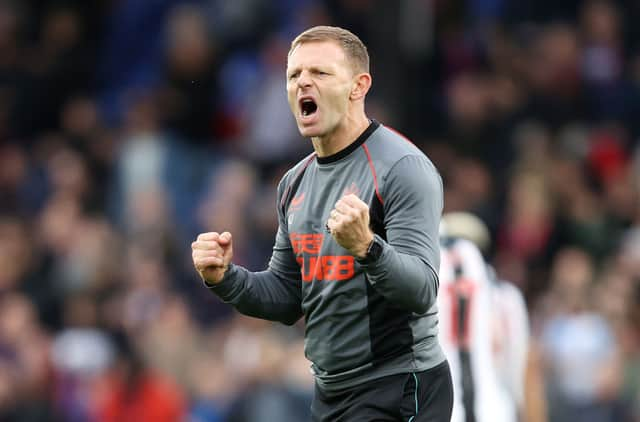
[307, 247]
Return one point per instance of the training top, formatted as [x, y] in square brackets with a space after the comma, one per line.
[363, 320]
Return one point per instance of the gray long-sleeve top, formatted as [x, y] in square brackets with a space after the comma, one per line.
[363, 321]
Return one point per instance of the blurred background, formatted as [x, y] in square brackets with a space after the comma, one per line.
[129, 126]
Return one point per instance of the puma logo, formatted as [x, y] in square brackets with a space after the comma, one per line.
[296, 202]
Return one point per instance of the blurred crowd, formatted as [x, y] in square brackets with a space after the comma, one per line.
[129, 126]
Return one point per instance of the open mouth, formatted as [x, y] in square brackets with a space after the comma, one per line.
[308, 107]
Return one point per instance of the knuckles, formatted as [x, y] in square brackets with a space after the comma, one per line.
[208, 236]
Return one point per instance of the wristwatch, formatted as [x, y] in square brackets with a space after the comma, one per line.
[373, 251]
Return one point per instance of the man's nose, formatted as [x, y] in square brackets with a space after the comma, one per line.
[304, 80]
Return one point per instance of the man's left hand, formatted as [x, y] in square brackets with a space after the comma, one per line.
[349, 225]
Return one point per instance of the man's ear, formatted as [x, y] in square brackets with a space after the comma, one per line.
[361, 86]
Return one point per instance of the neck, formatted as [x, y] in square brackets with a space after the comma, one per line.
[342, 136]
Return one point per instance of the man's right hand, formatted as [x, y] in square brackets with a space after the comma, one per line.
[212, 253]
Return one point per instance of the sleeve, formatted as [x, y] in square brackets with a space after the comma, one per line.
[274, 294]
[519, 342]
[406, 272]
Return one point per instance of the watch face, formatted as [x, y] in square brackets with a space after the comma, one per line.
[375, 250]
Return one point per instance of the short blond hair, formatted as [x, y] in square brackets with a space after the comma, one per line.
[354, 49]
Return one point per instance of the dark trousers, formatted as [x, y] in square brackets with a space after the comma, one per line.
[425, 396]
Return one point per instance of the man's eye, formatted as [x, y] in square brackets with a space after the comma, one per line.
[293, 76]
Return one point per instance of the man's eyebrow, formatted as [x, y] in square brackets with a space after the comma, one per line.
[310, 67]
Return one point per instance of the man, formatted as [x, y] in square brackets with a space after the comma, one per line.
[503, 368]
[357, 249]
[466, 334]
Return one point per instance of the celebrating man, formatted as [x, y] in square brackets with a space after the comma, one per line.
[357, 249]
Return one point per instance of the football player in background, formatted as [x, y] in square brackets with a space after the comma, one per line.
[503, 363]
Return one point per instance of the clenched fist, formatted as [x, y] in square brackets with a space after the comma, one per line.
[349, 225]
[212, 253]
